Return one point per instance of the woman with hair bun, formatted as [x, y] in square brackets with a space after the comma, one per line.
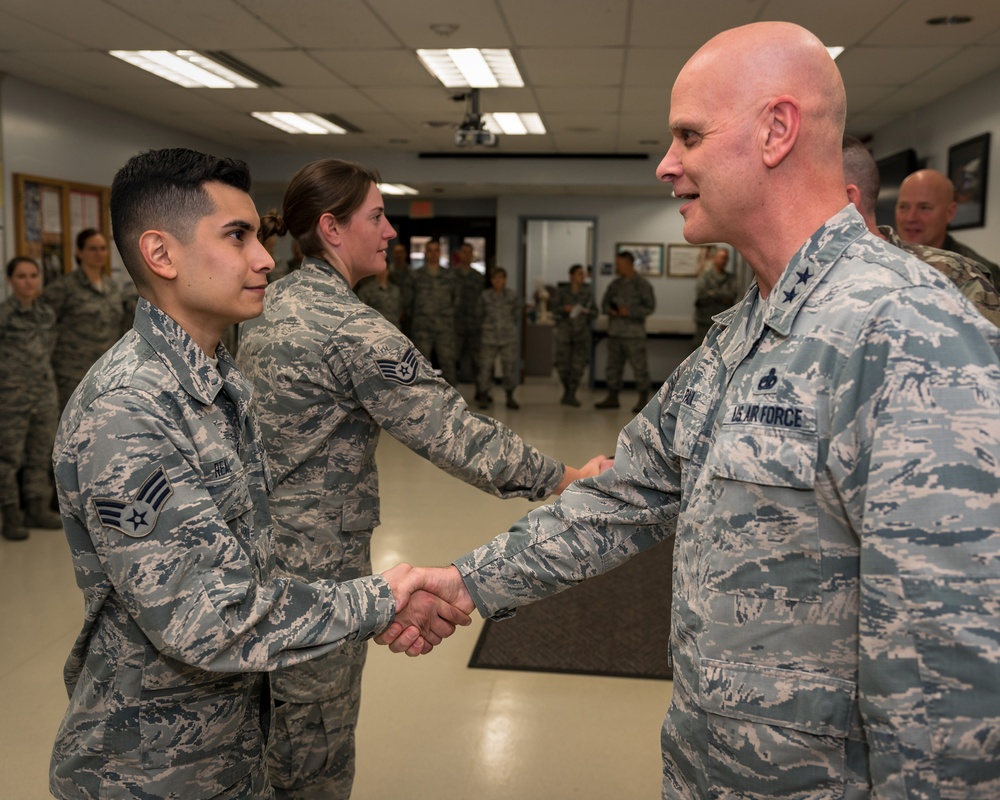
[330, 373]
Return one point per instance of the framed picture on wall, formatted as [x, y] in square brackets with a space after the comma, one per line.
[648, 257]
[687, 260]
[968, 166]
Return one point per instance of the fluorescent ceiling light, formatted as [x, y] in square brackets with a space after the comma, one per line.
[512, 123]
[472, 68]
[291, 122]
[396, 188]
[185, 68]
[834, 52]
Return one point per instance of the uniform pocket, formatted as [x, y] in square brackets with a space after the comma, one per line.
[187, 715]
[763, 532]
[775, 733]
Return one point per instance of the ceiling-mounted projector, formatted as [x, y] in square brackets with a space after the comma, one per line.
[472, 132]
[475, 137]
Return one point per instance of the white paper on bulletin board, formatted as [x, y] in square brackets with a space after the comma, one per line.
[84, 211]
[51, 211]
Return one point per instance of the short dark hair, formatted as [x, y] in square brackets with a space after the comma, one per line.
[12, 264]
[498, 271]
[165, 189]
[627, 255]
[861, 170]
[574, 268]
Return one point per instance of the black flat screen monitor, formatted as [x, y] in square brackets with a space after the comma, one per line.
[891, 171]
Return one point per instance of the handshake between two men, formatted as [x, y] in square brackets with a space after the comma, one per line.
[432, 601]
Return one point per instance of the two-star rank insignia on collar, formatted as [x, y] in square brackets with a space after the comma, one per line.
[137, 516]
[403, 371]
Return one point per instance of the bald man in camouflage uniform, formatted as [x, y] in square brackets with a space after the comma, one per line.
[627, 301]
[335, 377]
[828, 463]
[863, 184]
[90, 318]
[435, 296]
[162, 485]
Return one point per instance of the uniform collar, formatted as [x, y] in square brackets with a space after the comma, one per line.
[324, 267]
[809, 266]
[188, 362]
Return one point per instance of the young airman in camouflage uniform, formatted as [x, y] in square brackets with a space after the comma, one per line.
[627, 301]
[162, 484]
[384, 296]
[715, 291]
[90, 314]
[500, 311]
[828, 463]
[331, 374]
[401, 275]
[468, 323]
[435, 295]
[29, 403]
[574, 309]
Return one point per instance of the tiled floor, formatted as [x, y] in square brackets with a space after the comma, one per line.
[430, 727]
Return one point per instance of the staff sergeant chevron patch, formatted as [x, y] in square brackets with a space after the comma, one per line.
[404, 371]
[136, 517]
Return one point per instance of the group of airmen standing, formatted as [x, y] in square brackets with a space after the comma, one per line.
[48, 340]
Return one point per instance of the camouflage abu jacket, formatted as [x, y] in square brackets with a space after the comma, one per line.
[331, 373]
[830, 462]
[162, 487]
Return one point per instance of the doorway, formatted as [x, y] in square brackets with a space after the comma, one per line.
[549, 247]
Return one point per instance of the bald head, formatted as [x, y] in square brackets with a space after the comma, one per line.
[756, 64]
[925, 207]
[757, 117]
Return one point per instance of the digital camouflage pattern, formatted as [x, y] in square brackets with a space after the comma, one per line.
[89, 320]
[952, 245]
[714, 293]
[572, 335]
[829, 460]
[330, 374]
[627, 335]
[386, 300]
[29, 405]
[635, 294]
[432, 328]
[468, 323]
[965, 273]
[500, 313]
[162, 486]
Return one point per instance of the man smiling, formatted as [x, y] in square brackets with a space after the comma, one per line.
[828, 462]
[162, 486]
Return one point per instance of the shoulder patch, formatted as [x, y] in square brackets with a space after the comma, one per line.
[403, 371]
[136, 516]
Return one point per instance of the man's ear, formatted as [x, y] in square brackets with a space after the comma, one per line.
[782, 121]
[854, 195]
[156, 248]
